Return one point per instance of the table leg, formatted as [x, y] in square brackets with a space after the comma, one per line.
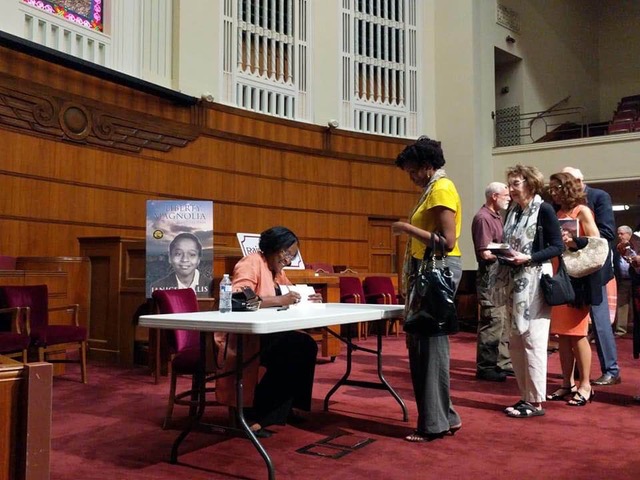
[240, 410]
[345, 380]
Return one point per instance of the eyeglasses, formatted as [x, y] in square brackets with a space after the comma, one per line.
[288, 255]
[517, 183]
[555, 188]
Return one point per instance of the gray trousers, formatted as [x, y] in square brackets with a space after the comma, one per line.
[493, 328]
[429, 359]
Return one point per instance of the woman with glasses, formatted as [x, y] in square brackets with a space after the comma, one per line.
[571, 322]
[288, 357]
[438, 210]
[533, 232]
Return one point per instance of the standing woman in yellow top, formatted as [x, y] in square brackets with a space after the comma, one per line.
[438, 210]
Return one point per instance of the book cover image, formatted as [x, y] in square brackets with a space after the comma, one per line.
[571, 225]
[179, 246]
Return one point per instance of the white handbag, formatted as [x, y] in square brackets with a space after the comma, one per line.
[580, 263]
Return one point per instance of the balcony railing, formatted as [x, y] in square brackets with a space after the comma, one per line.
[514, 128]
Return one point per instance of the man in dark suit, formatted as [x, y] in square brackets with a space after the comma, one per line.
[600, 203]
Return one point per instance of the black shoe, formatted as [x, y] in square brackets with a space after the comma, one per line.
[263, 433]
[607, 379]
[491, 375]
[508, 373]
[295, 418]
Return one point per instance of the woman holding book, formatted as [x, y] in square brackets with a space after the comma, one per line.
[571, 322]
[532, 230]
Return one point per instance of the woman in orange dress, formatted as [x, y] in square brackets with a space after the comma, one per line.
[571, 322]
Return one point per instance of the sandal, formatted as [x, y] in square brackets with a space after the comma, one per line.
[526, 410]
[417, 436]
[513, 407]
[561, 393]
[580, 400]
[452, 430]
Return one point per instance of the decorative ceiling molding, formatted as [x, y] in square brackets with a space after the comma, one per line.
[39, 110]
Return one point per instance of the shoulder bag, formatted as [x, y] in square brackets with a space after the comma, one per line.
[245, 300]
[587, 260]
[431, 309]
[557, 289]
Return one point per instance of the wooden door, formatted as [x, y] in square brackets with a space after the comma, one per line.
[383, 246]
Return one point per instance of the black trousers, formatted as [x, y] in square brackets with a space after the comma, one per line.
[290, 361]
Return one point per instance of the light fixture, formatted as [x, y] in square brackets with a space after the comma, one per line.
[510, 39]
[620, 208]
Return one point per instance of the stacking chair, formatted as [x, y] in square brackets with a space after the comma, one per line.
[184, 349]
[320, 267]
[45, 338]
[351, 292]
[381, 290]
[14, 336]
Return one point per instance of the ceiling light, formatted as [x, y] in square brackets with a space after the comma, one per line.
[620, 208]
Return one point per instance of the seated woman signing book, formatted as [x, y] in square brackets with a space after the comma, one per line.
[288, 357]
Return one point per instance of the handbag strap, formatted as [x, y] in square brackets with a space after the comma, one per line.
[430, 254]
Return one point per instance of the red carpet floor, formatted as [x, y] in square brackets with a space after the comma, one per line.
[110, 429]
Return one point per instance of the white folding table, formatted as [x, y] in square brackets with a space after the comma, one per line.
[272, 320]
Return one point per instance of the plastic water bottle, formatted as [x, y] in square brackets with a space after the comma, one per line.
[225, 294]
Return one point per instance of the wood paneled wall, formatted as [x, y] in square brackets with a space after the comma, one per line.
[80, 156]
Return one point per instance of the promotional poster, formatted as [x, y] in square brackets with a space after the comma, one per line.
[179, 244]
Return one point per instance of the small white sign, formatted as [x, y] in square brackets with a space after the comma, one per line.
[249, 243]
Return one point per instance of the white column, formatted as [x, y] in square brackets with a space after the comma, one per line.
[125, 22]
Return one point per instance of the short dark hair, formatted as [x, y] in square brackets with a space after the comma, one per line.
[185, 236]
[275, 239]
[425, 152]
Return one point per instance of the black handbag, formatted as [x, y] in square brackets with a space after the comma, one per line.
[431, 310]
[245, 300]
[557, 290]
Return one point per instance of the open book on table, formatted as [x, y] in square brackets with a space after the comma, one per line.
[302, 289]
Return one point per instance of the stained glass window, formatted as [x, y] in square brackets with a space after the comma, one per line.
[87, 13]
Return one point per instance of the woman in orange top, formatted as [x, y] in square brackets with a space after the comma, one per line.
[288, 357]
[571, 322]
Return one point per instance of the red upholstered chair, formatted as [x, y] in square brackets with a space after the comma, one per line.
[624, 116]
[351, 292]
[381, 290]
[320, 267]
[48, 339]
[184, 348]
[14, 334]
[623, 127]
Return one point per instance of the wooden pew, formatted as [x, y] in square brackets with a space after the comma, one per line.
[25, 419]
